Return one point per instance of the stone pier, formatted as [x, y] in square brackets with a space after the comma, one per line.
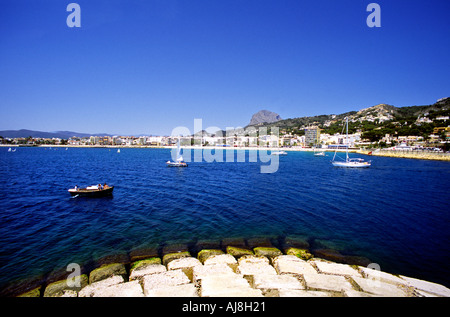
[238, 272]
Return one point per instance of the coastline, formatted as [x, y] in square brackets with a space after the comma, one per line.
[421, 155]
[234, 271]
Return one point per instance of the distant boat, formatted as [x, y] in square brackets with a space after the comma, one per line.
[349, 162]
[92, 191]
[9, 150]
[279, 153]
[321, 153]
[118, 150]
[179, 161]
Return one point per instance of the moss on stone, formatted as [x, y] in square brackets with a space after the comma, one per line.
[300, 253]
[267, 251]
[238, 252]
[58, 288]
[205, 254]
[173, 256]
[106, 271]
[144, 263]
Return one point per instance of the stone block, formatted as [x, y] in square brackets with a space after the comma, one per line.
[167, 258]
[183, 290]
[230, 285]
[107, 271]
[165, 279]
[219, 269]
[238, 252]
[227, 259]
[59, 288]
[379, 288]
[300, 253]
[92, 288]
[253, 265]
[203, 255]
[335, 268]
[324, 282]
[429, 287]
[142, 271]
[186, 264]
[267, 252]
[284, 281]
[290, 264]
[129, 289]
[381, 276]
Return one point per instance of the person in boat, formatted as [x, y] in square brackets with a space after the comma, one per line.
[99, 186]
[105, 186]
[76, 187]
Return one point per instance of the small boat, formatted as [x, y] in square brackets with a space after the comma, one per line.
[319, 154]
[279, 153]
[179, 161]
[349, 162]
[92, 191]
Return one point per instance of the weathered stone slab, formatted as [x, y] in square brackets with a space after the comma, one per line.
[183, 290]
[238, 252]
[167, 258]
[129, 289]
[332, 283]
[230, 285]
[185, 264]
[379, 288]
[335, 268]
[253, 265]
[290, 264]
[284, 281]
[203, 255]
[59, 288]
[146, 270]
[227, 259]
[219, 269]
[267, 252]
[426, 286]
[381, 276]
[300, 253]
[165, 279]
[92, 288]
[107, 271]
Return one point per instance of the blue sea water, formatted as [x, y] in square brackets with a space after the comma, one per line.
[395, 213]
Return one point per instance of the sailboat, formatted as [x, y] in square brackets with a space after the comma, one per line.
[349, 162]
[179, 162]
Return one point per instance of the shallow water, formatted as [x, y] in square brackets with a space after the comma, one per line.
[394, 213]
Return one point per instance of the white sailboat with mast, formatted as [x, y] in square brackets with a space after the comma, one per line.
[349, 162]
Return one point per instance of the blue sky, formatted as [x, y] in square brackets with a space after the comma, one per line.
[146, 67]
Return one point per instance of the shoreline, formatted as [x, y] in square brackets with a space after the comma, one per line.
[236, 270]
[421, 155]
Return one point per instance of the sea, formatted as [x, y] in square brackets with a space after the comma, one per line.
[395, 213]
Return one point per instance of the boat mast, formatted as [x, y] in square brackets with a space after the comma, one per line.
[346, 137]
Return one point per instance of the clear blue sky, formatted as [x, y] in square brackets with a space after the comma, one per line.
[148, 66]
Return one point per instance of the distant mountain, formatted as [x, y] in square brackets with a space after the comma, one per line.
[23, 133]
[264, 116]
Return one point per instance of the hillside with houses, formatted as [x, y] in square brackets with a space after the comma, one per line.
[378, 126]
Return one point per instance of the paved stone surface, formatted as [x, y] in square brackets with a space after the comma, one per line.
[224, 275]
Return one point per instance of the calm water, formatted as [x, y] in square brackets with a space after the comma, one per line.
[395, 213]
